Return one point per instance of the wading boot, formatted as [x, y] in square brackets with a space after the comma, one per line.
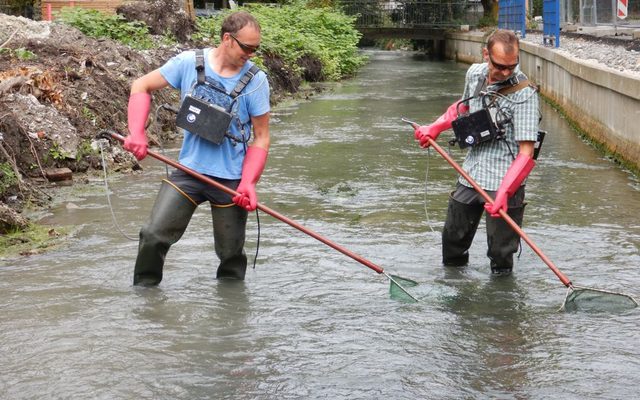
[229, 224]
[503, 241]
[458, 232]
[170, 216]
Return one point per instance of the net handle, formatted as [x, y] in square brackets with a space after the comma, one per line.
[563, 278]
[261, 207]
[273, 213]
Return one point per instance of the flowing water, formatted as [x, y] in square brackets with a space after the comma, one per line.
[311, 323]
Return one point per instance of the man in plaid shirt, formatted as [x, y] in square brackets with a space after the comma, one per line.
[499, 166]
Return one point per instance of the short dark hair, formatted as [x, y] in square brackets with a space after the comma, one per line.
[236, 21]
[508, 39]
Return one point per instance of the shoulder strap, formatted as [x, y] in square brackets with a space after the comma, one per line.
[244, 81]
[200, 65]
[482, 82]
[515, 84]
[516, 87]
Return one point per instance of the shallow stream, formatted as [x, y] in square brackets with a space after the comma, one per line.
[311, 323]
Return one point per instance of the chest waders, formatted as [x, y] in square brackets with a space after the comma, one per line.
[464, 211]
[169, 219]
[229, 226]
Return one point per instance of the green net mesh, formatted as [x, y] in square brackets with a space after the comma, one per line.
[396, 286]
[596, 300]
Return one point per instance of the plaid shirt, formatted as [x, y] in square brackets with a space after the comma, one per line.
[488, 162]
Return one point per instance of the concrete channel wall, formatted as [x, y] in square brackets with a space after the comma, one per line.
[603, 103]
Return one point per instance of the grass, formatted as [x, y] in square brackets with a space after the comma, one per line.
[34, 240]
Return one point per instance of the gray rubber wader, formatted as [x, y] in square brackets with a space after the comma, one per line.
[229, 224]
[458, 232]
[170, 217]
[503, 241]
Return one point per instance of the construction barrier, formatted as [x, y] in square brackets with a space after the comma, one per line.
[50, 7]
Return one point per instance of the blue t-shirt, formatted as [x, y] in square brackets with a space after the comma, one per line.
[223, 160]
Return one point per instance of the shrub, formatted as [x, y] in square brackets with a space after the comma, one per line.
[99, 25]
[294, 31]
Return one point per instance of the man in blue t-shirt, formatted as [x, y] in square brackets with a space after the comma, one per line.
[232, 163]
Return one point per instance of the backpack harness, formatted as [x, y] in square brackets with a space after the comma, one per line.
[485, 124]
[208, 110]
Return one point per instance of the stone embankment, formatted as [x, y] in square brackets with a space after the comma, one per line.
[619, 55]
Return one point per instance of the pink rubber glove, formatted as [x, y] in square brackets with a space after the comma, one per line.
[516, 174]
[254, 162]
[137, 113]
[426, 132]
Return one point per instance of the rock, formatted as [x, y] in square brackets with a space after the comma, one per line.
[58, 174]
[43, 120]
[617, 54]
[10, 220]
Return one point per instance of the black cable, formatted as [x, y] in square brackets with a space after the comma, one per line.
[258, 241]
[106, 190]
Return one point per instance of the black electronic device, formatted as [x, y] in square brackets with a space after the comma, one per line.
[538, 144]
[209, 121]
[475, 128]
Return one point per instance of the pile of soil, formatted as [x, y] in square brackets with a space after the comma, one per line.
[161, 16]
[60, 88]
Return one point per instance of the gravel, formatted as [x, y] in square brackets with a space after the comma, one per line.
[603, 53]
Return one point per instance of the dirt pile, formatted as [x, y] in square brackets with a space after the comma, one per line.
[58, 89]
[161, 16]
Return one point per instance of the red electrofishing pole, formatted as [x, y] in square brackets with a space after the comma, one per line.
[267, 210]
[574, 291]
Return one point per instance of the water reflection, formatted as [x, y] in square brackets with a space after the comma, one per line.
[496, 310]
[210, 340]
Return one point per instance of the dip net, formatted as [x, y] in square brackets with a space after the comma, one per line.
[397, 289]
[596, 300]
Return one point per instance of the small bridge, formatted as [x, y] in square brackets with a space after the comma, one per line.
[411, 19]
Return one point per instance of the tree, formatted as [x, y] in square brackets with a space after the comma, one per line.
[490, 12]
[20, 7]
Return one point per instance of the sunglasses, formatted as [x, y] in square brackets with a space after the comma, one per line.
[245, 47]
[502, 67]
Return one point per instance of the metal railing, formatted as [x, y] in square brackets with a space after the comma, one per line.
[413, 13]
